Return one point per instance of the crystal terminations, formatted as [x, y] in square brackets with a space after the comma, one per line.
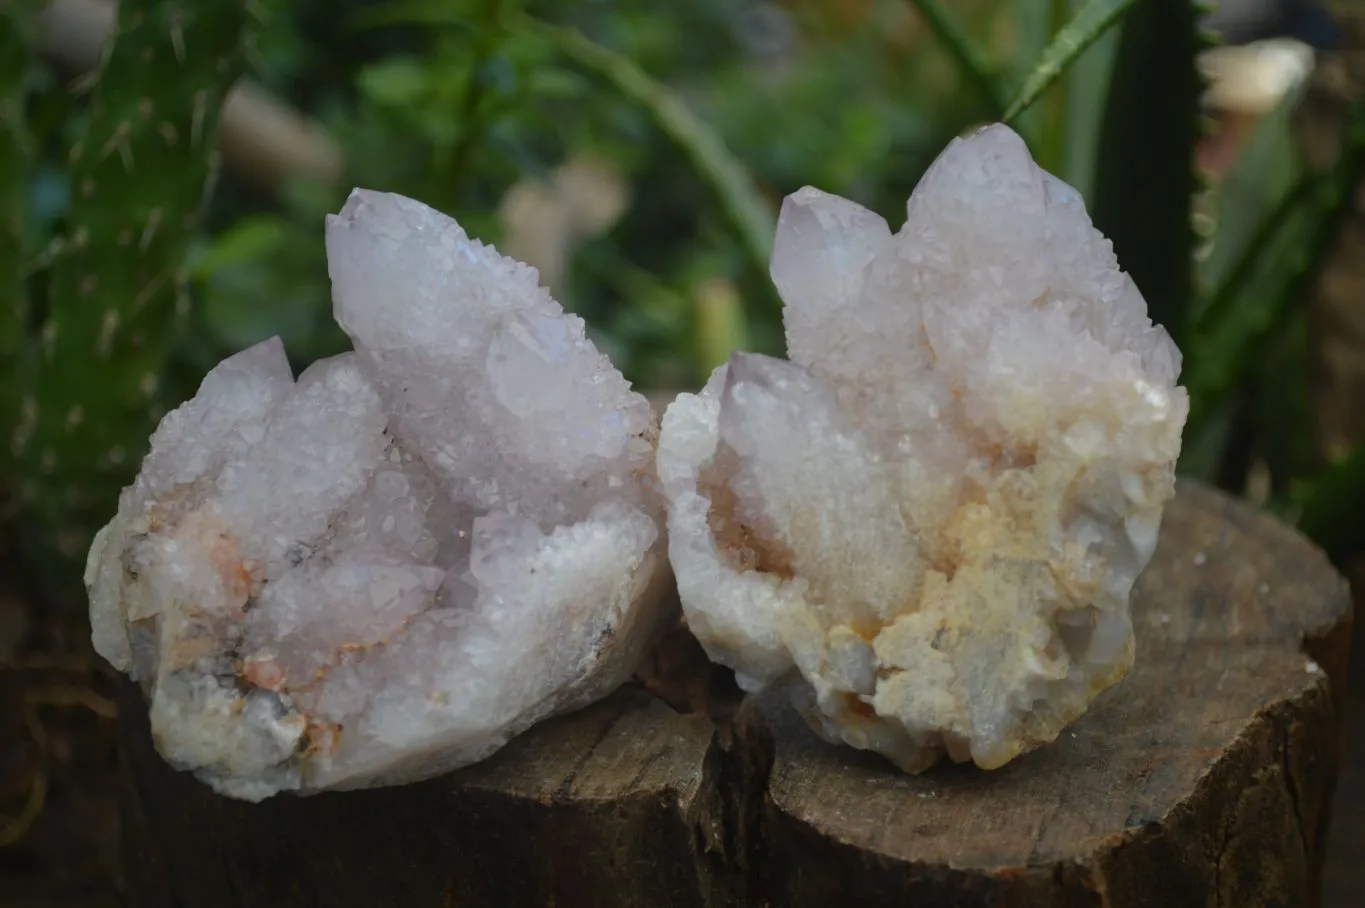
[386, 569]
[926, 525]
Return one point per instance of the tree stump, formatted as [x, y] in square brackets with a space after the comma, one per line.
[1203, 779]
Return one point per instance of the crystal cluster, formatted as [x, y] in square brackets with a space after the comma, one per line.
[925, 526]
[389, 567]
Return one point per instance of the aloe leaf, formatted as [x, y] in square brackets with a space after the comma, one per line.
[1233, 337]
[1089, 23]
[1265, 183]
[1236, 277]
[1087, 93]
[1043, 125]
[1145, 178]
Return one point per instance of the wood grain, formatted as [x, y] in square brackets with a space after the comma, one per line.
[1203, 779]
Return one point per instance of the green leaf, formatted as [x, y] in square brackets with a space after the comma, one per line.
[395, 82]
[960, 44]
[259, 279]
[1263, 185]
[1044, 125]
[1087, 92]
[1234, 336]
[1237, 277]
[559, 84]
[1331, 505]
[1145, 178]
[1282, 404]
[1092, 20]
[250, 239]
[749, 211]
[721, 327]
[1222, 353]
[1063, 125]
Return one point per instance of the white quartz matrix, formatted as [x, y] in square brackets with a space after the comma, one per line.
[389, 567]
[927, 524]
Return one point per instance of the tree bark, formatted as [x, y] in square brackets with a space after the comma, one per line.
[1203, 779]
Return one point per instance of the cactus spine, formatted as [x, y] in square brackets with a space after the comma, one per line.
[117, 293]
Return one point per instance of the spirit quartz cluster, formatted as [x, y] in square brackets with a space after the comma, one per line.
[389, 567]
[924, 526]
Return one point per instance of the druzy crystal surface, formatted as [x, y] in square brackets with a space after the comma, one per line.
[389, 567]
[926, 525]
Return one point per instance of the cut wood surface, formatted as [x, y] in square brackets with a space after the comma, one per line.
[1202, 779]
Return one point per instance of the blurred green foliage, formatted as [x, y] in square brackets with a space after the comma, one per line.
[17, 27]
[85, 387]
[709, 112]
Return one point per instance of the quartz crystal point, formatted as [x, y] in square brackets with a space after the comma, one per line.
[387, 568]
[926, 525]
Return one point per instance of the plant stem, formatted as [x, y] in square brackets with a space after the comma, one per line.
[965, 51]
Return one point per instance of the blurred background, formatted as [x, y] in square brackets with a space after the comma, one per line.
[165, 168]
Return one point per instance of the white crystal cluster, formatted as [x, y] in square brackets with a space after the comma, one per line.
[387, 568]
[926, 525]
